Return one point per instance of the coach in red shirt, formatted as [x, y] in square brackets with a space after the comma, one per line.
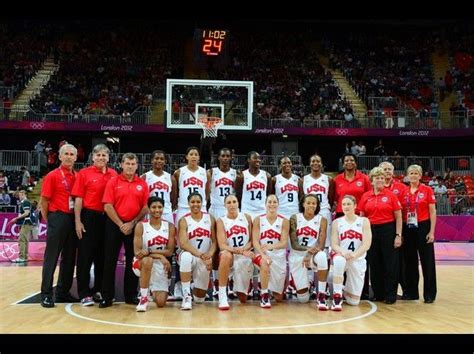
[419, 221]
[398, 189]
[383, 210]
[350, 182]
[57, 205]
[90, 222]
[125, 203]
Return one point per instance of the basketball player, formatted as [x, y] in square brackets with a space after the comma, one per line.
[270, 240]
[220, 183]
[191, 178]
[161, 184]
[197, 238]
[235, 243]
[253, 186]
[287, 189]
[350, 240]
[153, 243]
[308, 237]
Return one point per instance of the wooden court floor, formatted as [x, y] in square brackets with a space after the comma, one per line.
[452, 312]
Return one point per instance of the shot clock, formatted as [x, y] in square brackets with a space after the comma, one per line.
[211, 45]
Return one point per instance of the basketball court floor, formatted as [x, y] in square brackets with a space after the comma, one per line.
[452, 312]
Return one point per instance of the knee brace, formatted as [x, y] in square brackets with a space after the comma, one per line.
[185, 262]
[303, 298]
[339, 265]
[321, 260]
[198, 300]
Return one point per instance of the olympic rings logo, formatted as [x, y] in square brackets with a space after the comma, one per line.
[37, 125]
[342, 131]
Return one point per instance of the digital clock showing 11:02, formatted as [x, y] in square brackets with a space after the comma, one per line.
[213, 42]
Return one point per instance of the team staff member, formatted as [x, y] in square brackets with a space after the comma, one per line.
[398, 189]
[383, 210]
[125, 203]
[90, 222]
[57, 208]
[350, 182]
[419, 216]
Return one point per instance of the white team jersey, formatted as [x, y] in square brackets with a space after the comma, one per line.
[199, 232]
[222, 184]
[236, 230]
[254, 193]
[286, 191]
[271, 233]
[320, 187]
[155, 240]
[190, 182]
[350, 234]
[307, 231]
[160, 186]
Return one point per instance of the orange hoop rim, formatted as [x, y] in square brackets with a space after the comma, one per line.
[210, 122]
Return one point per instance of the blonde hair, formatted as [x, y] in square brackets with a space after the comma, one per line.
[376, 171]
[350, 197]
[415, 167]
[382, 164]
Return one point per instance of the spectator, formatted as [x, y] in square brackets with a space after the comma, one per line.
[26, 227]
[40, 146]
[379, 149]
[25, 177]
[5, 199]
[355, 150]
[3, 181]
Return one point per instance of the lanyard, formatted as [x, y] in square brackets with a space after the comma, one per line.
[408, 200]
[66, 184]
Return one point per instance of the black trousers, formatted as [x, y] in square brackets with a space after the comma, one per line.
[415, 244]
[91, 250]
[61, 240]
[114, 239]
[384, 262]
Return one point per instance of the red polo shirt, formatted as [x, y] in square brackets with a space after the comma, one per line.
[419, 201]
[358, 186]
[379, 208]
[397, 188]
[90, 186]
[57, 187]
[128, 198]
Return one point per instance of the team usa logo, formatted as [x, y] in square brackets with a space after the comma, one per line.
[316, 188]
[289, 188]
[236, 230]
[270, 234]
[139, 188]
[193, 181]
[421, 195]
[159, 186]
[359, 184]
[306, 231]
[224, 181]
[351, 234]
[255, 185]
[199, 232]
[384, 199]
[157, 241]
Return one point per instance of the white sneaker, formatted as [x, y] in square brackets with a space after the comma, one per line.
[178, 291]
[187, 303]
[143, 304]
[223, 304]
[87, 301]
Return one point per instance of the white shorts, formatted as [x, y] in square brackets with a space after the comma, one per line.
[159, 277]
[326, 213]
[277, 279]
[254, 214]
[355, 274]
[242, 270]
[217, 212]
[298, 272]
[199, 272]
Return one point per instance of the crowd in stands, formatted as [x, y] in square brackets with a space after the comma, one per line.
[290, 83]
[109, 72]
[385, 65]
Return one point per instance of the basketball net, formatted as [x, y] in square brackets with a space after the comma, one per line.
[210, 126]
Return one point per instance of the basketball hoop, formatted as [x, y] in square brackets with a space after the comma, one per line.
[209, 126]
